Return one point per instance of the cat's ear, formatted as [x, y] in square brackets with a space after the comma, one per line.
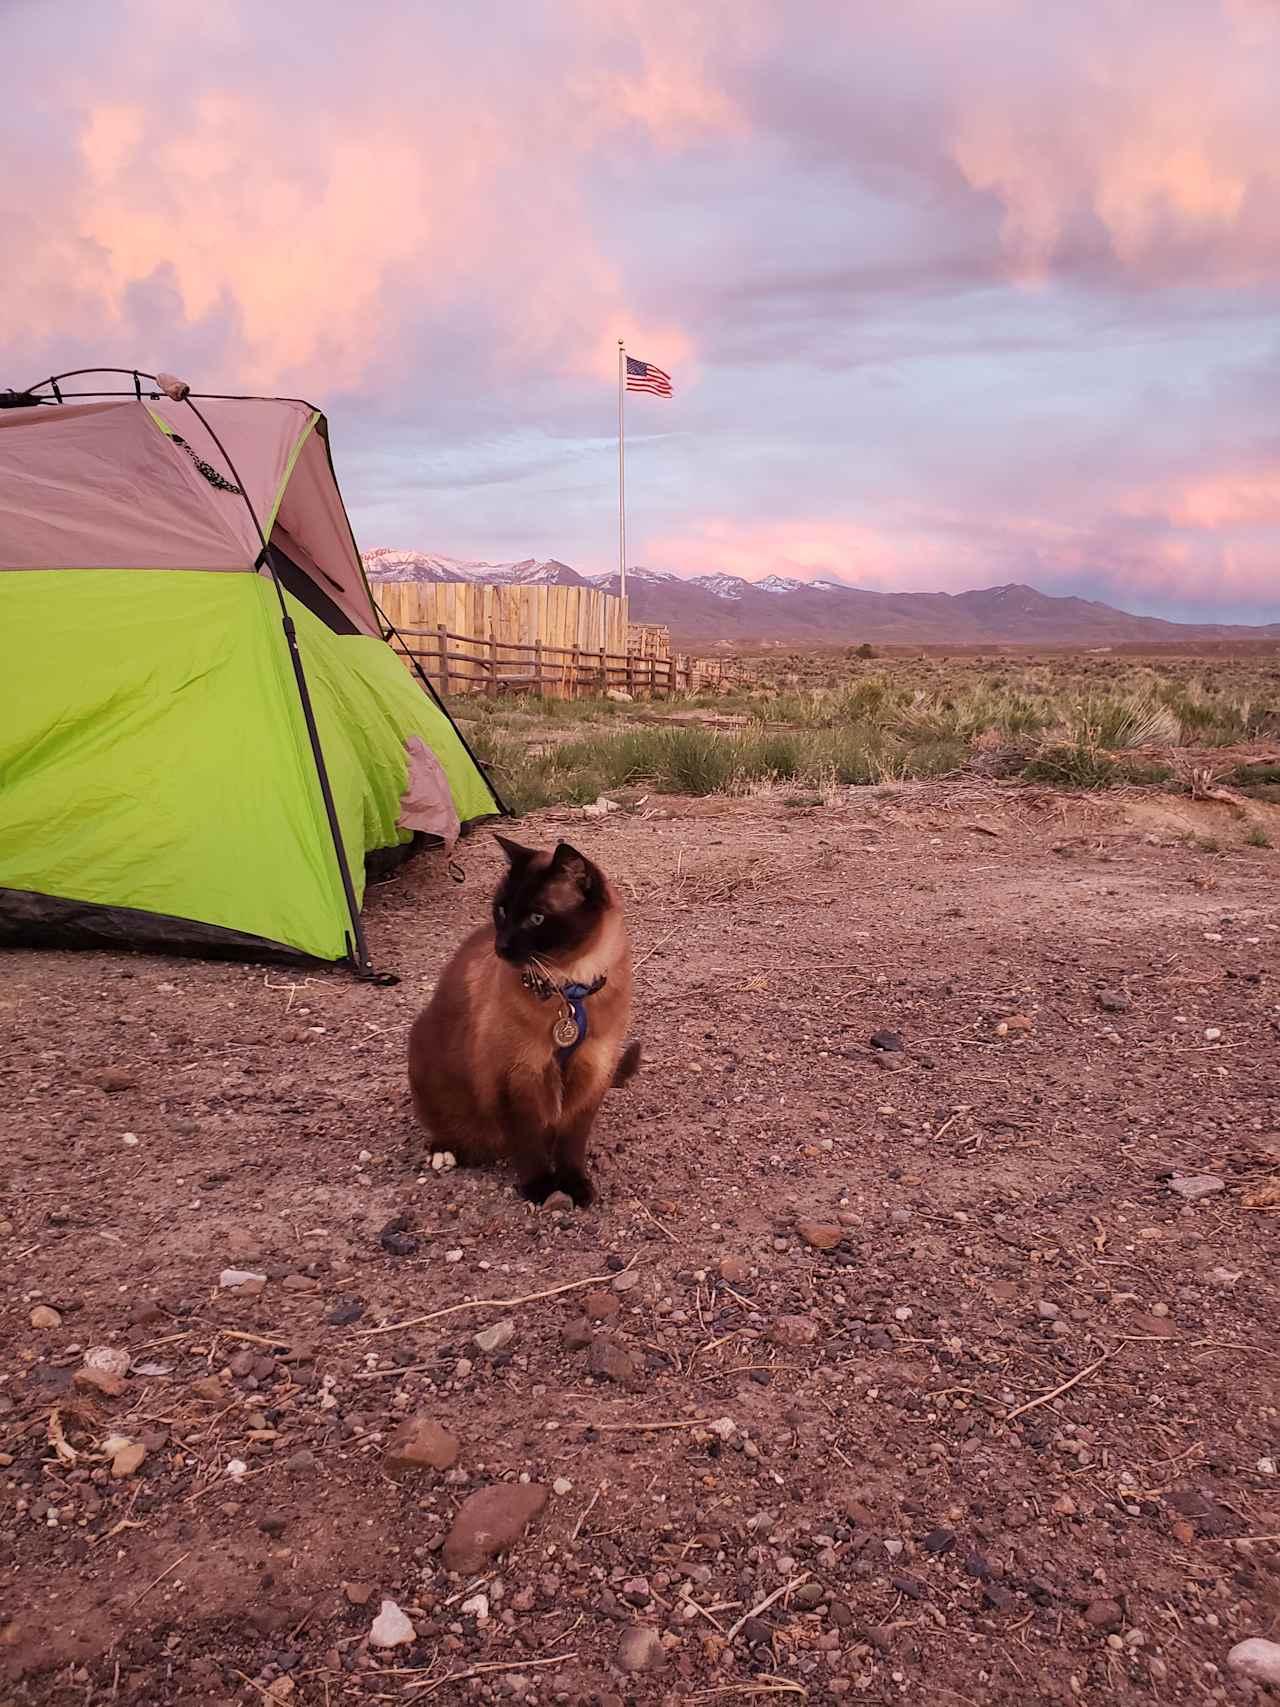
[575, 866]
[516, 854]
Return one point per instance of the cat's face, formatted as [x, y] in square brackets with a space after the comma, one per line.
[547, 905]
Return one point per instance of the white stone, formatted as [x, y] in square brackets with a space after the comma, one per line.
[1195, 1186]
[239, 1277]
[477, 1607]
[494, 1338]
[111, 1359]
[442, 1161]
[391, 1629]
[1256, 1658]
[725, 1427]
[562, 1485]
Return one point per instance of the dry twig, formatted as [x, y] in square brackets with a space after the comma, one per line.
[488, 1304]
[1034, 1404]
[766, 1603]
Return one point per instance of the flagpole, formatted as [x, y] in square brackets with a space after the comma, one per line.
[622, 479]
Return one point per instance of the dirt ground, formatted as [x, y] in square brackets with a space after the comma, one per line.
[875, 1374]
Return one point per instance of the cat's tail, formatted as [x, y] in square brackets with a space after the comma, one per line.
[628, 1067]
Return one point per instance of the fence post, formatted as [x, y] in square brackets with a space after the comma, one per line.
[537, 665]
[442, 636]
[631, 673]
[653, 677]
[604, 671]
[574, 663]
[493, 664]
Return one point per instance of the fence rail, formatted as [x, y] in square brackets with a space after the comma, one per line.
[560, 642]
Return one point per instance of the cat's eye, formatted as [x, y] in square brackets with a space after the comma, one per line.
[501, 912]
[534, 919]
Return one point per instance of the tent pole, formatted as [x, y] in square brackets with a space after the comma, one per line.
[357, 948]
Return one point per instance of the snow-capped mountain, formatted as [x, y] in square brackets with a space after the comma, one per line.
[385, 564]
[726, 609]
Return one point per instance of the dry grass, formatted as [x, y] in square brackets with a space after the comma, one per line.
[1082, 723]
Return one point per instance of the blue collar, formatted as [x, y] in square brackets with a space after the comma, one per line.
[576, 996]
[535, 978]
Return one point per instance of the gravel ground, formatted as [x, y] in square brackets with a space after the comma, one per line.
[942, 1369]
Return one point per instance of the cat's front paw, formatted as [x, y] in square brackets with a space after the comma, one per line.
[539, 1187]
[575, 1184]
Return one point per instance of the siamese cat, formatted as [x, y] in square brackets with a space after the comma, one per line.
[527, 1028]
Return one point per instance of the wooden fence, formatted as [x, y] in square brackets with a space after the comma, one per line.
[560, 642]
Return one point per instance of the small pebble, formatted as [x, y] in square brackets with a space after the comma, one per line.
[391, 1629]
[1258, 1659]
[493, 1339]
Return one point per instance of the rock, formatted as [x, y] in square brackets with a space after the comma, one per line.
[398, 1244]
[116, 1079]
[792, 1331]
[273, 1523]
[558, 1201]
[442, 1161]
[628, 1279]
[100, 1381]
[127, 1460]
[1104, 1614]
[820, 1235]
[577, 1335]
[614, 1362]
[734, 1269]
[1225, 1276]
[636, 1592]
[1114, 1002]
[1193, 1187]
[1159, 1327]
[1046, 1311]
[242, 1278]
[489, 1521]
[344, 1313]
[619, 695]
[242, 1364]
[301, 1462]
[477, 1607]
[420, 1444]
[640, 1649]
[43, 1317]
[494, 1338]
[887, 1040]
[391, 1629]
[939, 1541]
[600, 1306]
[358, 1594]
[809, 1595]
[208, 1388]
[1257, 1659]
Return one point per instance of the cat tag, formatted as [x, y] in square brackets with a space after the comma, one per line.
[565, 1031]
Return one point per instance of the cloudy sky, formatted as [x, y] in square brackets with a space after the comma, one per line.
[953, 292]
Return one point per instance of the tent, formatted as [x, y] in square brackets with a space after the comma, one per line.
[205, 738]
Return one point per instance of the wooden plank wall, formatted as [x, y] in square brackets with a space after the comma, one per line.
[563, 642]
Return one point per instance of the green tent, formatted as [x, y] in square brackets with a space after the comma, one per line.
[205, 739]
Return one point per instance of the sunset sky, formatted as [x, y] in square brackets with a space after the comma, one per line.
[953, 292]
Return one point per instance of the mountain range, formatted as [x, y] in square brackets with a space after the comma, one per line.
[726, 609]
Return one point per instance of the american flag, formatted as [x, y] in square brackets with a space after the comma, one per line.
[643, 376]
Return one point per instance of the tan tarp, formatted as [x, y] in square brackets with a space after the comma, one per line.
[102, 486]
